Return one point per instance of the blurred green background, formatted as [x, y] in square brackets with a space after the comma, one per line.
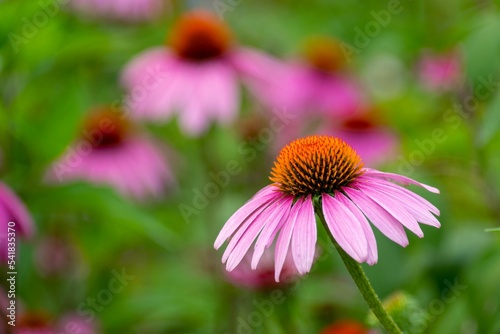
[71, 64]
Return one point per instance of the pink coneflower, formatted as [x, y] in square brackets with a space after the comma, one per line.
[122, 10]
[324, 172]
[110, 152]
[440, 72]
[13, 214]
[196, 75]
[318, 83]
[263, 275]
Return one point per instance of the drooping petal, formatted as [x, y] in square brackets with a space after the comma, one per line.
[239, 217]
[392, 208]
[345, 228]
[266, 236]
[243, 239]
[284, 238]
[404, 193]
[417, 208]
[378, 216]
[397, 178]
[370, 236]
[304, 236]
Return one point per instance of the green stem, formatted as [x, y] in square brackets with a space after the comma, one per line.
[363, 283]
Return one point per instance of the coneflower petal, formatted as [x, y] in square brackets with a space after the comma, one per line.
[398, 178]
[284, 238]
[304, 237]
[414, 207]
[378, 216]
[370, 236]
[242, 241]
[399, 213]
[268, 233]
[345, 228]
[403, 193]
[239, 217]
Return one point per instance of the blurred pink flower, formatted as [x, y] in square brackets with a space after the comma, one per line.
[374, 142]
[111, 153]
[196, 76]
[440, 72]
[73, 323]
[263, 275]
[325, 169]
[12, 210]
[317, 84]
[55, 256]
[125, 10]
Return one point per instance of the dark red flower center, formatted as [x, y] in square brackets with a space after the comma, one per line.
[200, 36]
[105, 128]
[324, 54]
[358, 124]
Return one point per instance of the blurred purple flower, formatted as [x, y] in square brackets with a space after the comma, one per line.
[440, 72]
[54, 256]
[125, 10]
[374, 142]
[319, 83]
[196, 75]
[12, 210]
[115, 155]
[327, 170]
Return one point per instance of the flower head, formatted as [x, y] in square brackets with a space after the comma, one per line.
[440, 72]
[110, 151]
[198, 36]
[327, 171]
[324, 54]
[316, 83]
[196, 74]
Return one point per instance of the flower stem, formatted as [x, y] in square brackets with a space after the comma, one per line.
[364, 286]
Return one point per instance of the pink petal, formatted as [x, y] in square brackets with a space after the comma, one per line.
[304, 236]
[397, 178]
[403, 192]
[242, 240]
[379, 217]
[283, 242]
[411, 203]
[370, 236]
[345, 228]
[392, 208]
[248, 209]
[267, 235]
